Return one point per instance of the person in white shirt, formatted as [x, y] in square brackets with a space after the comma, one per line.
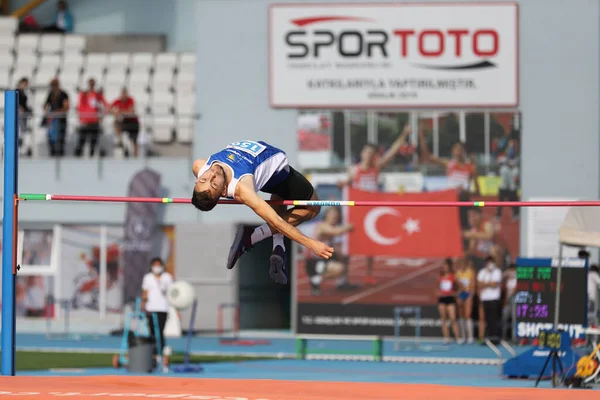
[489, 281]
[154, 297]
[593, 286]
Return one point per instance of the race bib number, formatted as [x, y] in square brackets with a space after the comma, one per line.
[248, 146]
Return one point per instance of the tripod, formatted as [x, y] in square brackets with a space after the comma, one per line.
[555, 360]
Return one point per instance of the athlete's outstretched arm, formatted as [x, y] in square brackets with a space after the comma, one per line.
[249, 197]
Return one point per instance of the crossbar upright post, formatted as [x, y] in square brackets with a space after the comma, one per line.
[9, 231]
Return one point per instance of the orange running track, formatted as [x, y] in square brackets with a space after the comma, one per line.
[124, 387]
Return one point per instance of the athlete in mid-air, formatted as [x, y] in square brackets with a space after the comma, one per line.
[240, 171]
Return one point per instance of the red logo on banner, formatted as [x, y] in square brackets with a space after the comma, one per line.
[429, 232]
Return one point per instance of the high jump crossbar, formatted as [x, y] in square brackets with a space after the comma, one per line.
[322, 203]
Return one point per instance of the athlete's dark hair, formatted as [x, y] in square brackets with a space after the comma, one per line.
[157, 260]
[203, 200]
[448, 262]
[371, 145]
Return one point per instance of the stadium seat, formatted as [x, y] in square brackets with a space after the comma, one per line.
[27, 43]
[185, 82]
[163, 128]
[142, 61]
[186, 127]
[74, 60]
[162, 81]
[165, 62]
[51, 44]
[115, 75]
[74, 44]
[187, 63]
[49, 60]
[112, 92]
[73, 95]
[70, 77]
[8, 26]
[119, 60]
[94, 66]
[7, 44]
[26, 60]
[43, 76]
[161, 103]
[139, 78]
[141, 98]
[6, 60]
[21, 72]
[39, 100]
[186, 105]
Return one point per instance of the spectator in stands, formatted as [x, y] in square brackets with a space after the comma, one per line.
[24, 109]
[155, 285]
[489, 281]
[63, 22]
[56, 108]
[510, 285]
[126, 120]
[91, 103]
[509, 184]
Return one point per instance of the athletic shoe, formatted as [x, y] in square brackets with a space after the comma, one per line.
[277, 270]
[241, 244]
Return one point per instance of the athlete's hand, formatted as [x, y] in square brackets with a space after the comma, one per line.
[322, 250]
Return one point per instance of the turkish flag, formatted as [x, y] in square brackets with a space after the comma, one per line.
[428, 232]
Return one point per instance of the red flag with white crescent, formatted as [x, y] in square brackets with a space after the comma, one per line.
[428, 232]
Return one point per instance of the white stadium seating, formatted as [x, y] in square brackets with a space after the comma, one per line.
[163, 85]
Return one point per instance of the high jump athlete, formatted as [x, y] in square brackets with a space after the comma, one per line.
[240, 171]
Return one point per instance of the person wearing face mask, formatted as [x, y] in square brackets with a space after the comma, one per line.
[154, 296]
[489, 281]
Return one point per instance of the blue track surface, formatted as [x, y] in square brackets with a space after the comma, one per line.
[305, 370]
[276, 346]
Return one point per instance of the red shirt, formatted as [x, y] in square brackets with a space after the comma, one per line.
[366, 179]
[447, 285]
[459, 174]
[123, 105]
[89, 106]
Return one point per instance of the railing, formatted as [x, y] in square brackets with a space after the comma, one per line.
[157, 135]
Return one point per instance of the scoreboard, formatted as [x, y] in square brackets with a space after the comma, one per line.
[535, 294]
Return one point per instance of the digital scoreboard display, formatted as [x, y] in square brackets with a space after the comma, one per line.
[535, 294]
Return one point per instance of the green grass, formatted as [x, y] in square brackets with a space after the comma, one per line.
[33, 360]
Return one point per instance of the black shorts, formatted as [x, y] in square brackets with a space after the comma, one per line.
[294, 187]
[447, 300]
[132, 127]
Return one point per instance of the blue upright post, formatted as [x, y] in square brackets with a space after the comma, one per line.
[11, 134]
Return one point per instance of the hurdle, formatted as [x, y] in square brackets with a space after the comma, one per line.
[12, 198]
[416, 311]
[303, 352]
[65, 305]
